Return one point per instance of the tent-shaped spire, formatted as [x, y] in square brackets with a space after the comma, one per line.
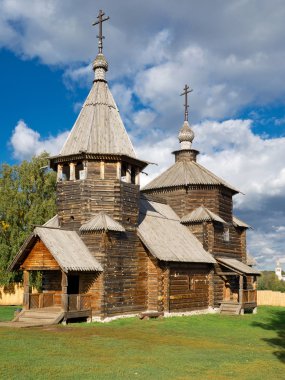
[99, 128]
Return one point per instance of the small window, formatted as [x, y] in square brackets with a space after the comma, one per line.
[226, 234]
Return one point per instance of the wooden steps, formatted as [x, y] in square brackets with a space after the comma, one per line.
[39, 317]
[230, 308]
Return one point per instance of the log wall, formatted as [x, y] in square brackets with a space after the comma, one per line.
[40, 258]
[189, 287]
[125, 275]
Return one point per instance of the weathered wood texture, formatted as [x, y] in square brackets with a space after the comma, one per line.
[78, 201]
[152, 283]
[51, 283]
[40, 259]
[125, 275]
[92, 284]
[218, 200]
[121, 288]
[188, 287]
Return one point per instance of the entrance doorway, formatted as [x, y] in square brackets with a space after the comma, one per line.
[73, 284]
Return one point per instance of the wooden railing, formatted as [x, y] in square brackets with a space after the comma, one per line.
[249, 296]
[40, 300]
[77, 302]
[69, 302]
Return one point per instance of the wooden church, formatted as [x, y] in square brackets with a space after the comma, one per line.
[115, 250]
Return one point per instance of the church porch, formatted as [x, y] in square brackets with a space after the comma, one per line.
[239, 286]
[71, 277]
[72, 294]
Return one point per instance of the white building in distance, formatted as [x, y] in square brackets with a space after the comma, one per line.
[278, 271]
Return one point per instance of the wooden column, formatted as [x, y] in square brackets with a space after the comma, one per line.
[137, 180]
[27, 289]
[59, 172]
[102, 170]
[211, 288]
[128, 174]
[254, 283]
[240, 289]
[119, 170]
[166, 295]
[72, 171]
[64, 296]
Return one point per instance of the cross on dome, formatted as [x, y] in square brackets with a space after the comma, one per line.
[186, 135]
[187, 91]
[100, 64]
[100, 21]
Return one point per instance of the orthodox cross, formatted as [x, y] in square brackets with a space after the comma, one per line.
[100, 21]
[187, 90]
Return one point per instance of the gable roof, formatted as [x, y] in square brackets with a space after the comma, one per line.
[99, 127]
[101, 222]
[202, 214]
[184, 173]
[66, 247]
[237, 266]
[239, 223]
[161, 232]
[53, 222]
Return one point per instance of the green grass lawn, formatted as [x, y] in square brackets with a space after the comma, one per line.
[198, 347]
[7, 312]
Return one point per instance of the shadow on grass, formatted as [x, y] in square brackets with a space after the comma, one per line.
[275, 323]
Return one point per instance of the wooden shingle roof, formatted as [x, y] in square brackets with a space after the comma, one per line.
[237, 266]
[66, 247]
[102, 222]
[166, 239]
[99, 127]
[184, 173]
[202, 214]
[53, 222]
[239, 223]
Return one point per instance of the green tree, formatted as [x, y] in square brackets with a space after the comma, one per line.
[269, 281]
[27, 198]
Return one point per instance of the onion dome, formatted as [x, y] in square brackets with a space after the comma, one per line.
[100, 67]
[186, 136]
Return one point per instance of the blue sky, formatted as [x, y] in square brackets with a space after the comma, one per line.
[231, 53]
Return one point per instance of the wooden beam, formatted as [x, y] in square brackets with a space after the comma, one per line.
[227, 274]
[240, 289]
[137, 180]
[119, 169]
[128, 174]
[59, 172]
[64, 285]
[26, 300]
[102, 170]
[72, 171]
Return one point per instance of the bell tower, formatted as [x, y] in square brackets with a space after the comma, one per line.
[97, 168]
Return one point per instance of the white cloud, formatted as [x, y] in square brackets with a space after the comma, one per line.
[144, 118]
[225, 52]
[80, 76]
[26, 142]
[253, 164]
[232, 55]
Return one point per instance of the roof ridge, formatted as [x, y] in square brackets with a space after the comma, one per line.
[216, 177]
